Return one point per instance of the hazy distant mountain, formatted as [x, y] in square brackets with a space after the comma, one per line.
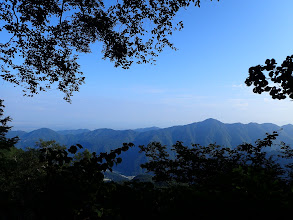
[204, 133]
[30, 138]
[74, 132]
[146, 129]
[18, 133]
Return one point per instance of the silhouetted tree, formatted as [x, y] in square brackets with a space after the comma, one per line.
[49, 182]
[5, 143]
[248, 167]
[47, 37]
[276, 80]
[213, 181]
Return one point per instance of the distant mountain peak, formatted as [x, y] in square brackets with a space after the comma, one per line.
[212, 120]
[43, 130]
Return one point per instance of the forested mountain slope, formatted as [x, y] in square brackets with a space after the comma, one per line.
[204, 133]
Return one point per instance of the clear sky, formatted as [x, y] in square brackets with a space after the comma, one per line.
[203, 79]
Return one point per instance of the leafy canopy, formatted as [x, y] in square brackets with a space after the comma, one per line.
[277, 80]
[247, 168]
[46, 37]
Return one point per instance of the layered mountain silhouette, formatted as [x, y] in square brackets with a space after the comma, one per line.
[203, 133]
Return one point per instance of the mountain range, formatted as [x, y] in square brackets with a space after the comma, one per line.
[203, 133]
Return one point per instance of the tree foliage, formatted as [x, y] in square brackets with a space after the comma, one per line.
[5, 143]
[50, 182]
[276, 80]
[56, 182]
[247, 167]
[47, 36]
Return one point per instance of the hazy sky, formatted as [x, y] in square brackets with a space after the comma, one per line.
[203, 79]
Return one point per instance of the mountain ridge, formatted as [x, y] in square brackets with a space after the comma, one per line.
[213, 130]
[204, 133]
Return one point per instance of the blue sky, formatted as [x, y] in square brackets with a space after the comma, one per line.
[203, 79]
